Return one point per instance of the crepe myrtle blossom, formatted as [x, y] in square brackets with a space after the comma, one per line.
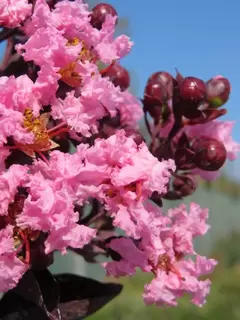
[166, 254]
[117, 172]
[64, 92]
[31, 205]
[99, 98]
[14, 12]
[72, 20]
[65, 40]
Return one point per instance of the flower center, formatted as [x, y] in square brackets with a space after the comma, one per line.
[69, 75]
[165, 264]
[133, 187]
[42, 139]
[38, 127]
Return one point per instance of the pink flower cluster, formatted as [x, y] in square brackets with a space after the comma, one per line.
[39, 199]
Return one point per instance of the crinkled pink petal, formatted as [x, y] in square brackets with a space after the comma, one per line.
[18, 94]
[157, 292]
[71, 17]
[9, 182]
[39, 205]
[14, 12]
[131, 258]
[48, 45]
[194, 221]
[73, 235]
[106, 46]
[131, 111]
[46, 84]
[11, 125]
[11, 268]
[41, 18]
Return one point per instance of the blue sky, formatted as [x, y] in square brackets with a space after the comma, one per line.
[199, 37]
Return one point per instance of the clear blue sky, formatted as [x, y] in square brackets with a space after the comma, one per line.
[199, 37]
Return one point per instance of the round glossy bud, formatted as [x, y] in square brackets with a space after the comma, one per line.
[165, 79]
[99, 13]
[192, 89]
[210, 154]
[119, 76]
[218, 91]
[154, 97]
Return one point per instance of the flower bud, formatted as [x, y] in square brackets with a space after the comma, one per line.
[192, 89]
[210, 154]
[218, 91]
[99, 13]
[154, 97]
[165, 79]
[184, 184]
[118, 75]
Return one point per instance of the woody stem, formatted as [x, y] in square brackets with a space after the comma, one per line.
[57, 127]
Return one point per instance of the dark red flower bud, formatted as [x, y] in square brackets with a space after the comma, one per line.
[165, 79]
[210, 154]
[184, 184]
[99, 13]
[218, 91]
[118, 75]
[192, 89]
[154, 97]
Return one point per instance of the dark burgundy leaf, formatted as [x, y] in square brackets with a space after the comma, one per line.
[35, 297]
[39, 259]
[14, 307]
[49, 290]
[81, 297]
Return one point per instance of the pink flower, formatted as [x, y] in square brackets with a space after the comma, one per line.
[71, 18]
[107, 47]
[175, 276]
[19, 93]
[14, 12]
[41, 18]
[132, 173]
[163, 244]
[17, 96]
[9, 182]
[98, 98]
[130, 258]
[12, 269]
[47, 84]
[131, 111]
[48, 46]
[49, 208]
